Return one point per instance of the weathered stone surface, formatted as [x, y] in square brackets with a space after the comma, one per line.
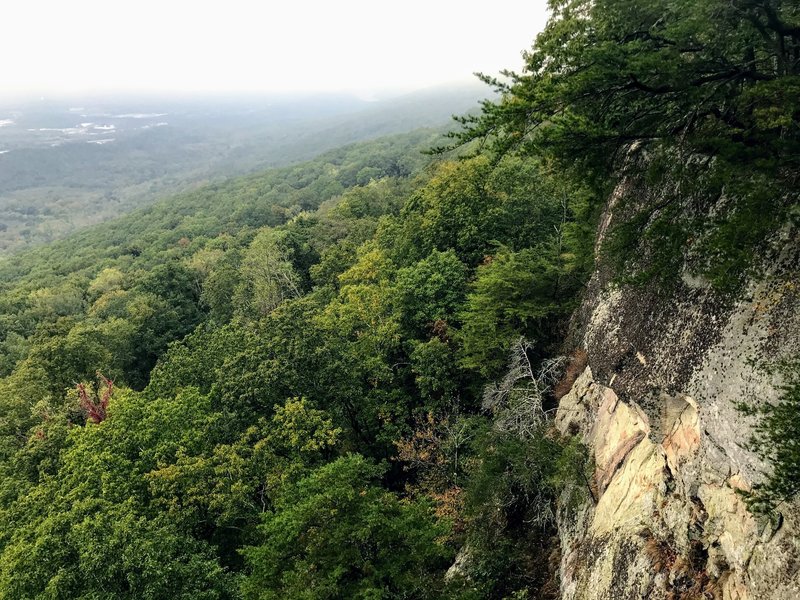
[661, 523]
[633, 494]
[576, 410]
[730, 523]
[460, 567]
[658, 407]
[618, 429]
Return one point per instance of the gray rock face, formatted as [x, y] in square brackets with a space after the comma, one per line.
[657, 407]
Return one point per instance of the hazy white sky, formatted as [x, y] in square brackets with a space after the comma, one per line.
[239, 45]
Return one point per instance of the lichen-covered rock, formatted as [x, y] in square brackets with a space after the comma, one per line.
[633, 494]
[683, 440]
[618, 430]
[660, 526]
[730, 523]
[659, 408]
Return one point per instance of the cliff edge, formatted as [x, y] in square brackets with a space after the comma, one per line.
[658, 408]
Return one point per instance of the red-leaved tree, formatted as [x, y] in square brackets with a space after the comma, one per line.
[95, 404]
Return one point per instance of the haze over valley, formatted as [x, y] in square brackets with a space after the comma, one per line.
[68, 163]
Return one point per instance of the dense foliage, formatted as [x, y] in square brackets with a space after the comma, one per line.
[702, 93]
[279, 380]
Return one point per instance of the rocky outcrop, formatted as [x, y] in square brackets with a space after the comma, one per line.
[658, 408]
[663, 522]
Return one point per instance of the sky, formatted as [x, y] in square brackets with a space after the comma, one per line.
[70, 46]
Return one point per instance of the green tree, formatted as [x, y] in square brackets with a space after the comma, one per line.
[704, 92]
[267, 275]
[514, 294]
[431, 291]
[337, 534]
[606, 73]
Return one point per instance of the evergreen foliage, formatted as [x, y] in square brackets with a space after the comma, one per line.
[777, 439]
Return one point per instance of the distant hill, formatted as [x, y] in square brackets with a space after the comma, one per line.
[66, 164]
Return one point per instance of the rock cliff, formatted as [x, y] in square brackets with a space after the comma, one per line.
[657, 407]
